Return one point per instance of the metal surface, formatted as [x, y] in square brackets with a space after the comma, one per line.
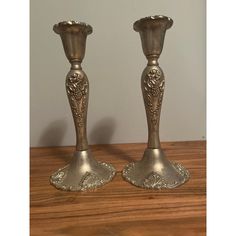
[154, 170]
[84, 172]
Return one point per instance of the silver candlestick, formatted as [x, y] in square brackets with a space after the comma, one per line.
[83, 172]
[154, 171]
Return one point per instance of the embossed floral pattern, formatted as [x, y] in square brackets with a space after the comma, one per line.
[153, 93]
[89, 180]
[154, 180]
[77, 90]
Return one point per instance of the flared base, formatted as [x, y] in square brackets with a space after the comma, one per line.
[155, 171]
[83, 173]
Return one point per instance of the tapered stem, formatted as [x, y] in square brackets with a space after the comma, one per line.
[77, 87]
[152, 84]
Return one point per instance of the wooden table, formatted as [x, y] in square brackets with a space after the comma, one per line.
[118, 208]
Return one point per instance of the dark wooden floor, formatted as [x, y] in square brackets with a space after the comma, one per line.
[118, 208]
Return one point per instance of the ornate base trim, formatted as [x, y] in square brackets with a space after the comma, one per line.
[82, 174]
[154, 171]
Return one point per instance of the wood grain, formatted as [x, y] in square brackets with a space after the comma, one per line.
[119, 209]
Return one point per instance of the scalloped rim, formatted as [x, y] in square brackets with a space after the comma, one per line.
[137, 23]
[58, 27]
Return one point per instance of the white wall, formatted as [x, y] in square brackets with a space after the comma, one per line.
[114, 62]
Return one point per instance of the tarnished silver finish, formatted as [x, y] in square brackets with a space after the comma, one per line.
[84, 172]
[154, 171]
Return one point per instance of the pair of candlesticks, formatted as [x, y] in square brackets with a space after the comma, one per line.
[84, 172]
